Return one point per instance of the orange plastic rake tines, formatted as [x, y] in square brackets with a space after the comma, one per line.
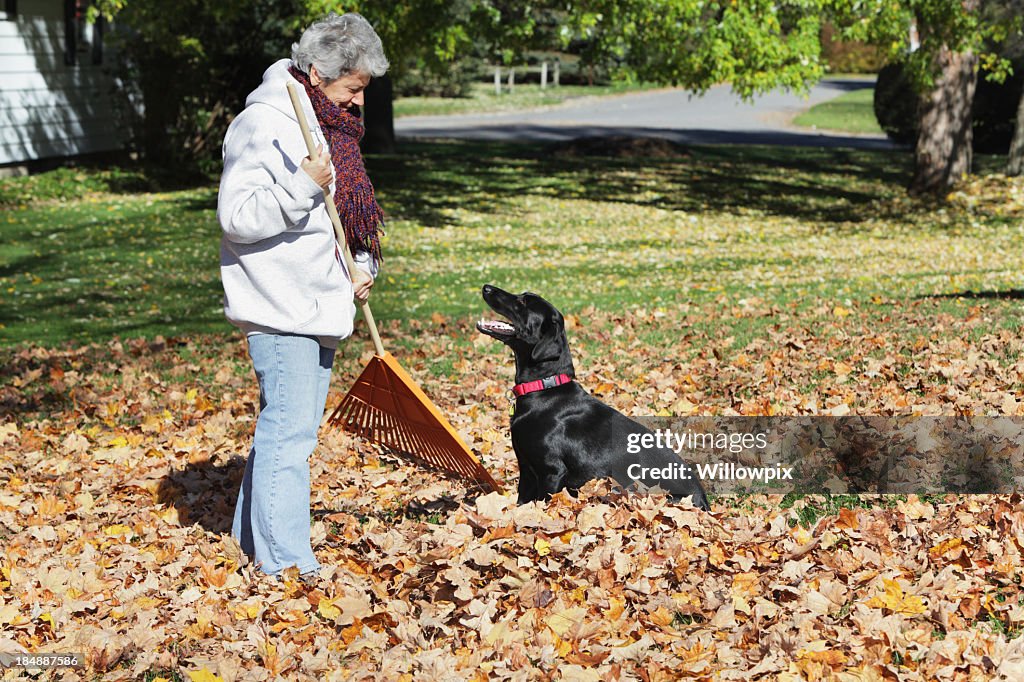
[385, 405]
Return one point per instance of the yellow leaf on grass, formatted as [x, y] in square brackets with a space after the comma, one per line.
[201, 629]
[842, 369]
[661, 617]
[327, 609]
[746, 584]
[945, 547]
[170, 516]
[500, 633]
[840, 311]
[616, 607]
[204, 674]
[817, 651]
[246, 611]
[896, 600]
[564, 621]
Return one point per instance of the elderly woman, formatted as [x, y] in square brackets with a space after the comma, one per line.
[285, 284]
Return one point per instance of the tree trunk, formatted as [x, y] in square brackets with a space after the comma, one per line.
[943, 152]
[379, 118]
[1015, 164]
[159, 111]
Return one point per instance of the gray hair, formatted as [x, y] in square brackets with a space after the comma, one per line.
[338, 46]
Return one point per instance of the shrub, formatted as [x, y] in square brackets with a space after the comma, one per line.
[994, 111]
[896, 105]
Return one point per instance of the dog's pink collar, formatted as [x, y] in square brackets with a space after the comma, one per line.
[540, 384]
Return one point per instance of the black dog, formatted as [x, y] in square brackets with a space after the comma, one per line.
[562, 435]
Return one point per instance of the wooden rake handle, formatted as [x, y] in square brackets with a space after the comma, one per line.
[332, 210]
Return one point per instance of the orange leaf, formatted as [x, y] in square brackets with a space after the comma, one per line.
[352, 632]
[848, 518]
[661, 617]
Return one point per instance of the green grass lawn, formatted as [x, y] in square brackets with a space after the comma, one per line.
[87, 255]
[482, 98]
[851, 112]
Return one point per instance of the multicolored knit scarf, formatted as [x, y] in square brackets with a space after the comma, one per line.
[360, 214]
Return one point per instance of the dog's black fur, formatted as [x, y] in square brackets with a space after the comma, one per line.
[563, 436]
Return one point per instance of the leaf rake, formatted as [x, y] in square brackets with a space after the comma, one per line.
[385, 406]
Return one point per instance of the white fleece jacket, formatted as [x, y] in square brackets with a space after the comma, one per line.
[278, 261]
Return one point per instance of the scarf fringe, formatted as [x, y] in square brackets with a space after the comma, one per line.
[363, 221]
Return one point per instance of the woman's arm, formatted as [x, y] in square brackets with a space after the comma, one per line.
[253, 203]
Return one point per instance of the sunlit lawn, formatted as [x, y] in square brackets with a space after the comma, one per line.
[851, 112]
[799, 228]
[483, 98]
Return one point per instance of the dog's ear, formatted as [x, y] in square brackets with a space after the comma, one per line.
[551, 338]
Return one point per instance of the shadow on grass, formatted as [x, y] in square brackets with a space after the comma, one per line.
[430, 181]
[1008, 295]
[139, 269]
[81, 314]
[851, 84]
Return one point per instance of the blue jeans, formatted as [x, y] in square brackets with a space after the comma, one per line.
[272, 514]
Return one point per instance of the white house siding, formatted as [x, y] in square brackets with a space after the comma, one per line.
[48, 108]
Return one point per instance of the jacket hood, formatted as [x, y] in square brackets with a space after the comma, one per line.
[273, 92]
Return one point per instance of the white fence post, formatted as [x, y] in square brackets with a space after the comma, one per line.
[497, 80]
[511, 78]
[557, 65]
[543, 75]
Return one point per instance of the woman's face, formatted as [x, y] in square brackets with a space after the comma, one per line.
[346, 91]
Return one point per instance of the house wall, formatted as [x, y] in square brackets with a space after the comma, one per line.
[47, 107]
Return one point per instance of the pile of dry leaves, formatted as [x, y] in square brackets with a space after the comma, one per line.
[121, 463]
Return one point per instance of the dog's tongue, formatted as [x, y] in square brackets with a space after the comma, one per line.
[495, 326]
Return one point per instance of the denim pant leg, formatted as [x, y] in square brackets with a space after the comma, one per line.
[272, 516]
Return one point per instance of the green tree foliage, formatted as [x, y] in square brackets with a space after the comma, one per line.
[194, 60]
[757, 45]
[442, 41]
[956, 39]
[191, 63]
[421, 38]
[953, 26]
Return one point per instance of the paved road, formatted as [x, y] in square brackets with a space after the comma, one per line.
[718, 117]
